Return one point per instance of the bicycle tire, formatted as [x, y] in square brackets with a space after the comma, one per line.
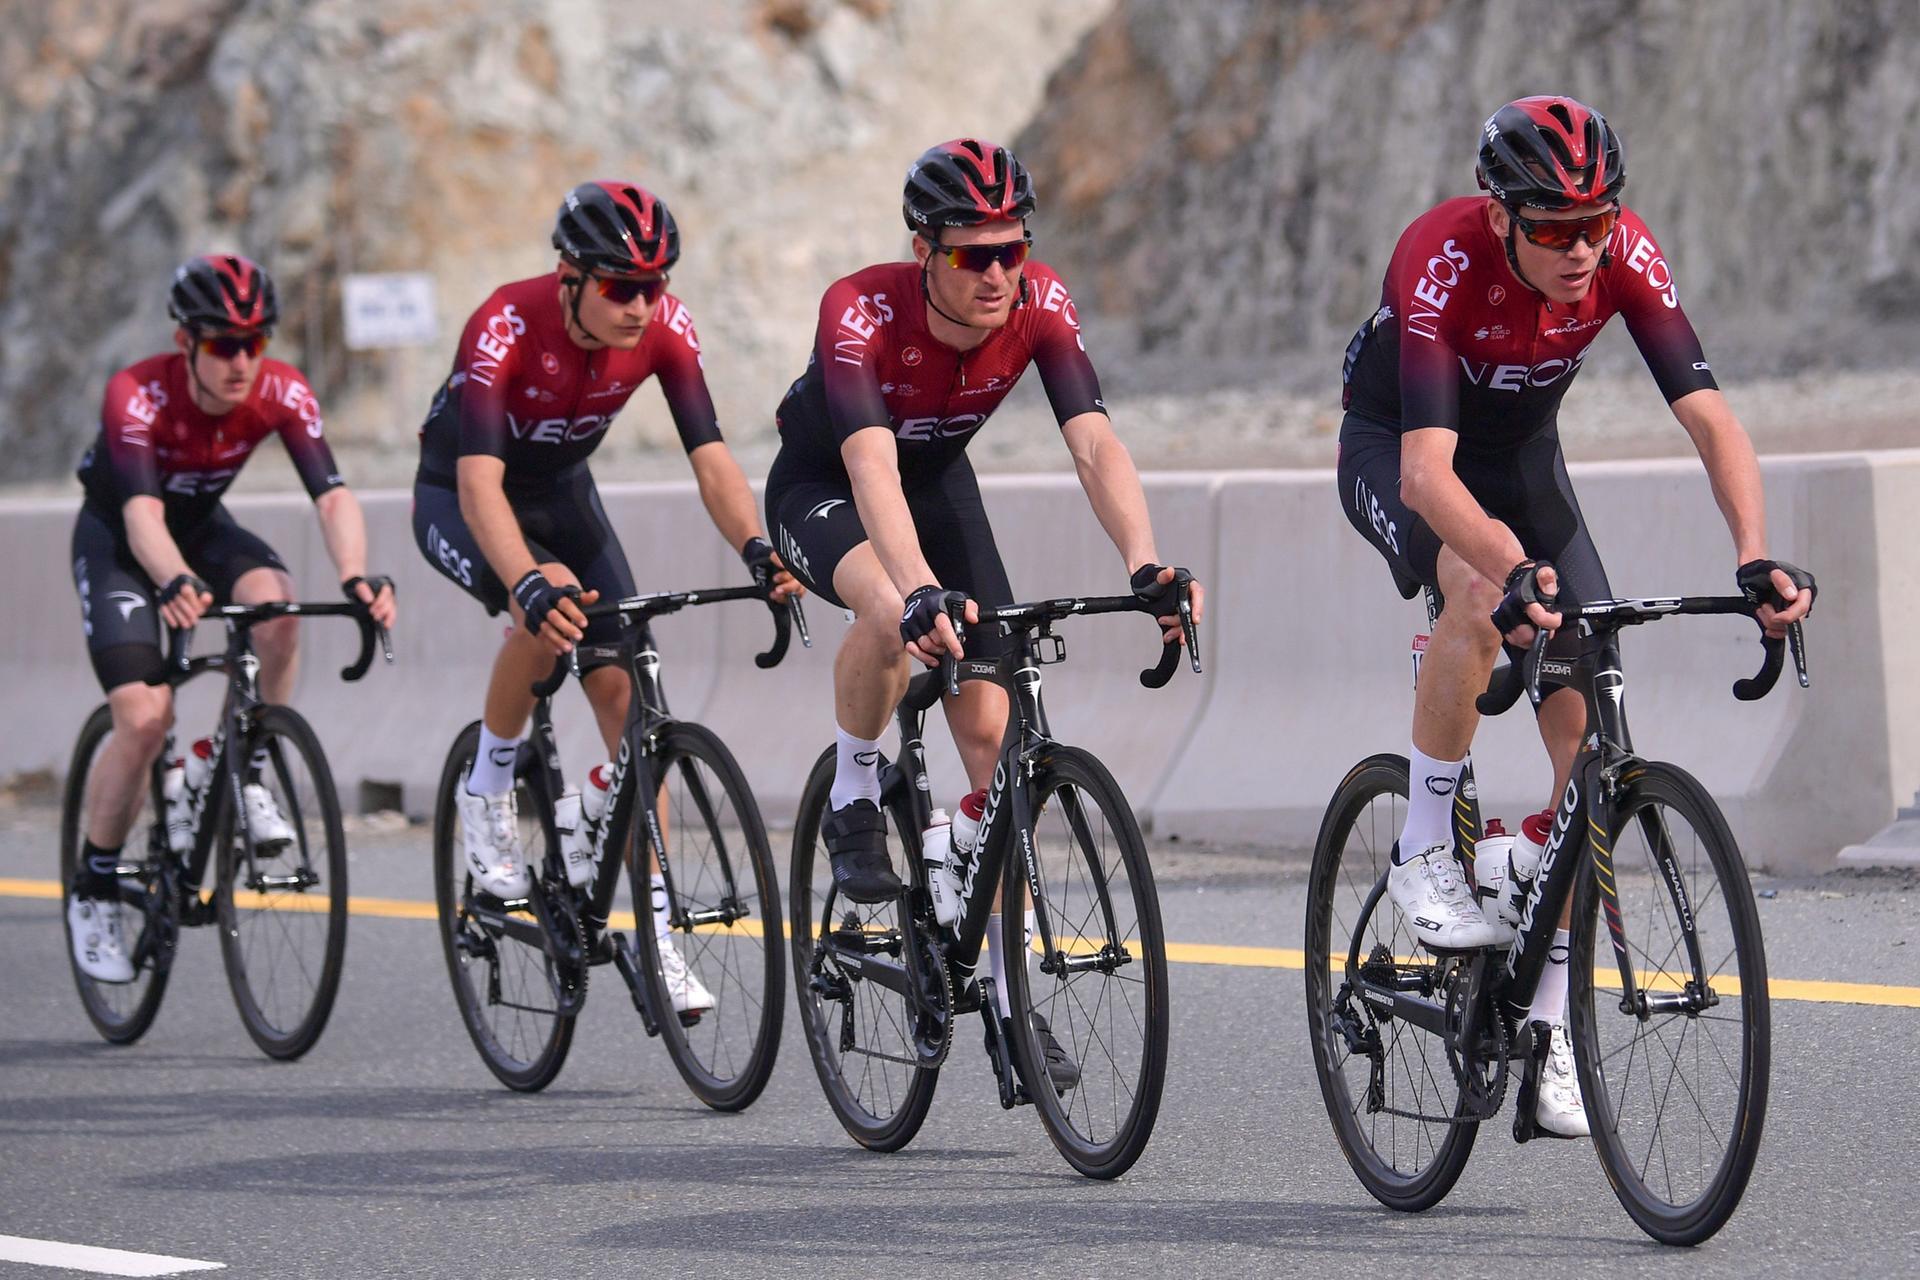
[524, 1047]
[1738, 1030]
[715, 839]
[881, 1107]
[285, 1002]
[120, 1012]
[1102, 1124]
[1419, 1165]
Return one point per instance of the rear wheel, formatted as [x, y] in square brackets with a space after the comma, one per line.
[726, 890]
[1388, 1086]
[1676, 1094]
[283, 906]
[120, 1011]
[509, 990]
[1102, 993]
[862, 1036]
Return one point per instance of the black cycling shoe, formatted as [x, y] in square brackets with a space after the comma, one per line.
[856, 839]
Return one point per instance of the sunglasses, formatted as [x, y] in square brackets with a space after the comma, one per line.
[1561, 234]
[620, 290]
[978, 257]
[225, 346]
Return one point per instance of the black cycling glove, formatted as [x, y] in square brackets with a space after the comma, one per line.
[1756, 581]
[1523, 589]
[924, 608]
[375, 585]
[758, 556]
[181, 583]
[537, 597]
[1161, 599]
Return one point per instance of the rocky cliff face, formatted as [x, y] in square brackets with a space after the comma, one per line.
[377, 135]
[1226, 181]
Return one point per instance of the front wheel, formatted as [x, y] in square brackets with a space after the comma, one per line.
[120, 1012]
[1674, 1070]
[281, 891]
[1397, 1107]
[1101, 992]
[864, 1038]
[724, 950]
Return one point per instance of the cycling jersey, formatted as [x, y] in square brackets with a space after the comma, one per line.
[875, 363]
[155, 441]
[1459, 342]
[523, 392]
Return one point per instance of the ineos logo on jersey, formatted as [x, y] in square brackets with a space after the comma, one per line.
[1518, 377]
[449, 555]
[939, 428]
[680, 321]
[1642, 258]
[858, 323]
[1370, 510]
[291, 393]
[559, 430]
[494, 341]
[190, 483]
[1436, 288]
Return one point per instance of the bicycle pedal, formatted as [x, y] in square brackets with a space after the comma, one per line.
[1527, 1098]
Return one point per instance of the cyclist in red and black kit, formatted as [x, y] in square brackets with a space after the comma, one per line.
[872, 500]
[154, 544]
[1450, 465]
[505, 507]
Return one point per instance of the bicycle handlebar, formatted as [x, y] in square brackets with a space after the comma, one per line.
[787, 617]
[1522, 671]
[1041, 612]
[180, 639]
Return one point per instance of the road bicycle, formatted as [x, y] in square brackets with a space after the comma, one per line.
[281, 907]
[678, 802]
[880, 986]
[1667, 999]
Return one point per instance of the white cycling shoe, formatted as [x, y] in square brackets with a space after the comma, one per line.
[1559, 1108]
[490, 828]
[270, 830]
[1433, 896]
[689, 994]
[99, 932]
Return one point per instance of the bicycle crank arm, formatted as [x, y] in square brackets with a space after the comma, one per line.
[628, 964]
[1417, 1010]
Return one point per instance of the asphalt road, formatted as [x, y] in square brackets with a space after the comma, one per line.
[390, 1151]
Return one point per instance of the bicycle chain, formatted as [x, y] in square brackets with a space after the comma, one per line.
[1490, 1109]
[935, 961]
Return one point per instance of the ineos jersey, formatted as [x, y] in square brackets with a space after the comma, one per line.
[1460, 343]
[155, 441]
[875, 363]
[521, 391]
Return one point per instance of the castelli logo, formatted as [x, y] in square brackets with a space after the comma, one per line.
[1496, 295]
[549, 362]
[910, 356]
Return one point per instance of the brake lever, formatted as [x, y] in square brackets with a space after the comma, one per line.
[1534, 650]
[950, 665]
[1189, 629]
[1797, 643]
[799, 620]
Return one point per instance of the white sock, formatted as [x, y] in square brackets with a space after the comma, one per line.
[856, 769]
[662, 923]
[997, 965]
[1430, 789]
[492, 764]
[1550, 997]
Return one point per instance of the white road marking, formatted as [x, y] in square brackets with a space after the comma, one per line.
[101, 1262]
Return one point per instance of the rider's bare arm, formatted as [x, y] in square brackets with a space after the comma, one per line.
[873, 465]
[1112, 484]
[343, 527]
[1727, 454]
[484, 506]
[152, 545]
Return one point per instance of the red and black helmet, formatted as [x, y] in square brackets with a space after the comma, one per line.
[223, 291]
[964, 183]
[1550, 153]
[618, 228]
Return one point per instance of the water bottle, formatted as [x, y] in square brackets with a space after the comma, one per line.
[193, 770]
[935, 843]
[1524, 863]
[966, 827]
[589, 804]
[1491, 857]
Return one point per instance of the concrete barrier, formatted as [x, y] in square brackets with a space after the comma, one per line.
[1306, 650]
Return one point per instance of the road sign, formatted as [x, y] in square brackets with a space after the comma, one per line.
[389, 310]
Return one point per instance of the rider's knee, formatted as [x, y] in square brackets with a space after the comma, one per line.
[144, 713]
[277, 639]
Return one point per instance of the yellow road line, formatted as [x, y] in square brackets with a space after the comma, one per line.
[1811, 989]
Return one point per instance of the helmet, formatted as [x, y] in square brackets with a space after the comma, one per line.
[616, 227]
[964, 183]
[1551, 153]
[223, 291]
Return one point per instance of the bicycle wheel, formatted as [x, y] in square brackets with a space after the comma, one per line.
[1103, 993]
[120, 1011]
[1394, 1103]
[508, 989]
[725, 886]
[1676, 1100]
[283, 908]
[859, 1033]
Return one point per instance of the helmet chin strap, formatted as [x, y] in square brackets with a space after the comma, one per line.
[574, 287]
[926, 292]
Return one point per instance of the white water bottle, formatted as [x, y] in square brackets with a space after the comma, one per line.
[577, 839]
[1491, 856]
[193, 769]
[935, 842]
